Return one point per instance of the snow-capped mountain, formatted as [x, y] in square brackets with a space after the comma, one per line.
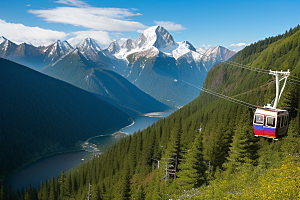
[56, 50]
[89, 48]
[129, 45]
[155, 60]
[92, 51]
[155, 36]
[114, 48]
[220, 53]
[31, 56]
[88, 44]
[6, 47]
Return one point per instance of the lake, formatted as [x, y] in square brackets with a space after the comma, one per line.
[45, 168]
[142, 122]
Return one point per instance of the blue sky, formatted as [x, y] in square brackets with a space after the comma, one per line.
[232, 23]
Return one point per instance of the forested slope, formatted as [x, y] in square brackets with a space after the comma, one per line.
[41, 115]
[208, 146]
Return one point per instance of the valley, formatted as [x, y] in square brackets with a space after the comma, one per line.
[146, 118]
[43, 169]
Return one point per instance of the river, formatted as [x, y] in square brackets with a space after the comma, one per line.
[45, 168]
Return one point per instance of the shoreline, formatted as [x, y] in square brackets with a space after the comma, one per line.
[133, 122]
[158, 114]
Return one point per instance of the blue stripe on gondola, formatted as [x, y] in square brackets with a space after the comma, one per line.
[258, 129]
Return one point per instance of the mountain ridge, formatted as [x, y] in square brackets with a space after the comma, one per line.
[105, 83]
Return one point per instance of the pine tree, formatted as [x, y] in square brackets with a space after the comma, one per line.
[173, 151]
[45, 190]
[122, 190]
[30, 194]
[95, 192]
[192, 172]
[242, 147]
[291, 143]
[52, 194]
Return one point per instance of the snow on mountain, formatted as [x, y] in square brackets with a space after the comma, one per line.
[5, 45]
[2, 39]
[179, 49]
[90, 48]
[129, 44]
[155, 36]
[220, 53]
[87, 44]
[57, 49]
[159, 38]
[114, 47]
[7, 48]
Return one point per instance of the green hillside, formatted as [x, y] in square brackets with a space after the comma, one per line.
[223, 160]
[41, 115]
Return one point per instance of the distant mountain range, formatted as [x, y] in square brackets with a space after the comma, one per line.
[34, 57]
[155, 63]
[161, 67]
[41, 115]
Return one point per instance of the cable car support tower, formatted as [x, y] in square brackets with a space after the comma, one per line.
[284, 76]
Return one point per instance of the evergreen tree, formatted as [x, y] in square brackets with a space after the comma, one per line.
[30, 194]
[61, 184]
[122, 191]
[291, 143]
[96, 194]
[192, 172]
[242, 147]
[45, 190]
[173, 151]
[52, 194]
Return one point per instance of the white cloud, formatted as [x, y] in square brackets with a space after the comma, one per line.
[170, 26]
[102, 37]
[237, 47]
[19, 33]
[101, 19]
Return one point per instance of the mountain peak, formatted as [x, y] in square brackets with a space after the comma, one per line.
[187, 45]
[114, 47]
[57, 49]
[155, 36]
[2, 39]
[129, 44]
[220, 53]
[88, 43]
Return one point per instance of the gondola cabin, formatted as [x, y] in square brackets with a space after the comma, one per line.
[270, 123]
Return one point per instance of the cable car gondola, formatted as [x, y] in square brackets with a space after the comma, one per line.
[271, 122]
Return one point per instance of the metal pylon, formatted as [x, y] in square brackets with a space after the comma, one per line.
[283, 76]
